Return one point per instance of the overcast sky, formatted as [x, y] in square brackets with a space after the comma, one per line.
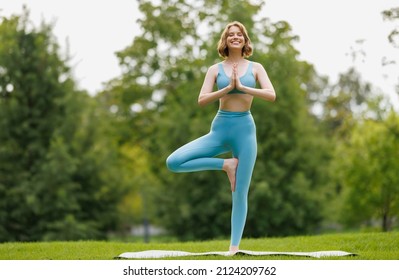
[328, 31]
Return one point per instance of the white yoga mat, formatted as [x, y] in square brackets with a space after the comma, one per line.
[155, 254]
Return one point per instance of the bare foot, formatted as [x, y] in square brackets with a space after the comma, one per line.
[230, 166]
[233, 250]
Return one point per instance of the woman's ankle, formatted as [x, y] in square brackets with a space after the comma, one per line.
[233, 248]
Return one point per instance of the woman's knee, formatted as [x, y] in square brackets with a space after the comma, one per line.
[173, 163]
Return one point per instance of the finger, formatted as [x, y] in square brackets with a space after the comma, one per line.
[234, 72]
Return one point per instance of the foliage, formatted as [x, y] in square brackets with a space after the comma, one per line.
[59, 170]
[343, 107]
[368, 173]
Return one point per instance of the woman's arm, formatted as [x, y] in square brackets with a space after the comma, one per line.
[207, 95]
[266, 90]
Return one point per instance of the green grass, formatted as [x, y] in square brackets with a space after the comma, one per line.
[368, 246]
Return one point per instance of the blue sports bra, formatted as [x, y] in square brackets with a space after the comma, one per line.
[223, 81]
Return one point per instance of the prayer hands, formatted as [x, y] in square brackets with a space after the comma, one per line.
[235, 79]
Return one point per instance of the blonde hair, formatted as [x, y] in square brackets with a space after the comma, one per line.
[222, 45]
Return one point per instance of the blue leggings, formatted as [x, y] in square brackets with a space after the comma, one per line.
[230, 132]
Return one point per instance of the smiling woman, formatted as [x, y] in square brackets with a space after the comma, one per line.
[235, 36]
[233, 128]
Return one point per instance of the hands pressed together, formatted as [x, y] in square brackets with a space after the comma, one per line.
[235, 79]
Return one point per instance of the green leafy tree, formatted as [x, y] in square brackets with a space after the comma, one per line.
[61, 176]
[368, 172]
[342, 106]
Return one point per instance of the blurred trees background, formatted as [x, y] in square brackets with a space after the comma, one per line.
[73, 166]
[62, 174]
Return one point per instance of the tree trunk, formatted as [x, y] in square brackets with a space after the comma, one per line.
[386, 223]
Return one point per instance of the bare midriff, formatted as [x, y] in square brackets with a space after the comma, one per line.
[236, 102]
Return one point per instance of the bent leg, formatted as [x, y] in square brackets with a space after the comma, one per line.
[198, 155]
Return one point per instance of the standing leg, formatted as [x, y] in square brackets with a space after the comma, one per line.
[244, 149]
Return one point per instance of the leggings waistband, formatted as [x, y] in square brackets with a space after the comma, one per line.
[230, 114]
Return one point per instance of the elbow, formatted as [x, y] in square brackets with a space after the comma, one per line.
[201, 102]
[268, 94]
[273, 97]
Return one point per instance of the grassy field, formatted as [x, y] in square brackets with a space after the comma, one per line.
[367, 246]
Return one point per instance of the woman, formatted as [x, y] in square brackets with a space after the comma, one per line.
[233, 128]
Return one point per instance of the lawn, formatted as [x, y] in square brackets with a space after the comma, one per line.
[367, 246]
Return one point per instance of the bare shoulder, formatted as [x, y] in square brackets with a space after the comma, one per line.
[258, 67]
[213, 68]
[212, 71]
[259, 71]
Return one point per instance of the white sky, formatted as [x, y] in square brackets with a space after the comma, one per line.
[328, 29]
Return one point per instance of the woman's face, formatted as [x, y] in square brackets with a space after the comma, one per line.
[235, 38]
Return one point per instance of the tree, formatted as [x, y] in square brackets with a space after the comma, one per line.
[156, 97]
[341, 107]
[368, 173]
[60, 174]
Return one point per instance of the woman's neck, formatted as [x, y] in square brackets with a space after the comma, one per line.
[234, 57]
